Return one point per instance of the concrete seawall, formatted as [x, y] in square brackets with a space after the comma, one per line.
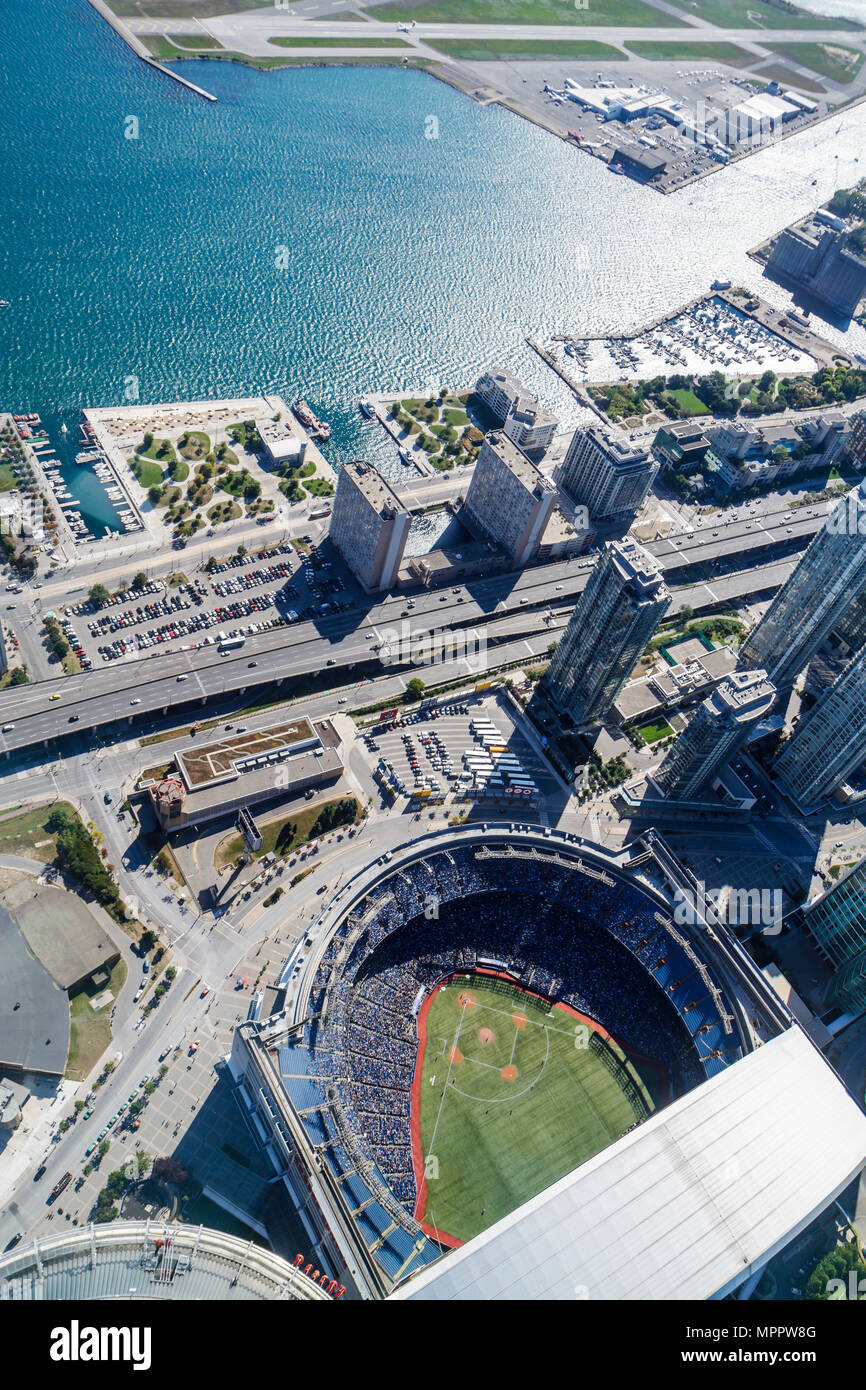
[141, 51]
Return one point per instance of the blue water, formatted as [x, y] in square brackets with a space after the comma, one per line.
[154, 265]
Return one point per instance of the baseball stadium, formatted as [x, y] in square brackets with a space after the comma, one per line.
[475, 1025]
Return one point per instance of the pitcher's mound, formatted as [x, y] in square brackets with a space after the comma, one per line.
[509, 1073]
[485, 1035]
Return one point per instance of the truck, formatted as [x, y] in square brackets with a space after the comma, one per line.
[228, 644]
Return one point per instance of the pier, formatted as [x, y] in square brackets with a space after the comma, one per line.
[141, 51]
[379, 406]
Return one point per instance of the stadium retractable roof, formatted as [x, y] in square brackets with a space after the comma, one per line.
[685, 1207]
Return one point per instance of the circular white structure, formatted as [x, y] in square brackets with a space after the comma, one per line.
[148, 1259]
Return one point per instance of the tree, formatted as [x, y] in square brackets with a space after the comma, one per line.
[147, 442]
[170, 1170]
[154, 494]
[139, 581]
[98, 595]
[18, 675]
[143, 1163]
[170, 973]
[147, 940]
[103, 1148]
[414, 690]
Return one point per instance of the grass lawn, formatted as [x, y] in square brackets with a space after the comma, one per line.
[655, 730]
[90, 1033]
[224, 511]
[689, 401]
[488, 50]
[194, 40]
[195, 445]
[759, 14]
[320, 487]
[179, 471]
[146, 472]
[8, 481]
[509, 1103]
[161, 449]
[25, 834]
[359, 42]
[281, 836]
[830, 60]
[675, 51]
[599, 12]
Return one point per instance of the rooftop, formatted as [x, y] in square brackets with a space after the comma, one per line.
[518, 464]
[377, 491]
[61, 931]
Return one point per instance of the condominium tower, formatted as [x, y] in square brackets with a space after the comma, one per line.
[717, 729]
[606, 474]
[815, 597]
[829, 742]
[369, 525]
[612, 622]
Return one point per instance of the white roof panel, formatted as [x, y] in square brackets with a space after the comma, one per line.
[687, 1204]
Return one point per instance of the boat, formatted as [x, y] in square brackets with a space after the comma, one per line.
[405, 457]
[4, 303]
[366, 408]
[721, 285]
[64, 428]
[310, 421]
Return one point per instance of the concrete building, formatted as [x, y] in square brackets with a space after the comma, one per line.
[369, 525]
[612, 622]
[837, 921]
[829, 742]
[249, 768]
[696, 672]
[606, 474]
[719, 727]
[681, 445]
[745, 454]
[821, 263]
[816, 595]
[523, 420]
[13, 1097]
[510, 499]
[284, 440]
[500, 392]
[857, 440]
[530, 426]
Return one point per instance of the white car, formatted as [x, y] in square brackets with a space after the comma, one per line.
[136, 701]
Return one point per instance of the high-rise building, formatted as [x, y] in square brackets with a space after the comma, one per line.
[830, 575]
[509, 498]
[606, 474]
[837, 921]
[717, 729]
[830, 741]
[852, 625]
[612, 622]
[369, 525]
[523, 420]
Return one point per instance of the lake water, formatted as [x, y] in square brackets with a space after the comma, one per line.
[301, 235]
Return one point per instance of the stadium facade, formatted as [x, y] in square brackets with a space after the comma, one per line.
[325, 1086]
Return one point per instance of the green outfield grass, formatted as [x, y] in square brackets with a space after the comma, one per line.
[516, 1108]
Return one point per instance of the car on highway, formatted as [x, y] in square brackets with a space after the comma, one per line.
[40, 1172]
[54, 697]
[136, 701]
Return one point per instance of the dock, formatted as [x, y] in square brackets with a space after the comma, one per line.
[141, 51]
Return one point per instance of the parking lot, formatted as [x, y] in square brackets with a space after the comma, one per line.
[243, 595]
[466, 751]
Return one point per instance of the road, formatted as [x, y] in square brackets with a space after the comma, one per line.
[134, 688]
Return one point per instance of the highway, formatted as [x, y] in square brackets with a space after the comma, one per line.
[132, 689]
